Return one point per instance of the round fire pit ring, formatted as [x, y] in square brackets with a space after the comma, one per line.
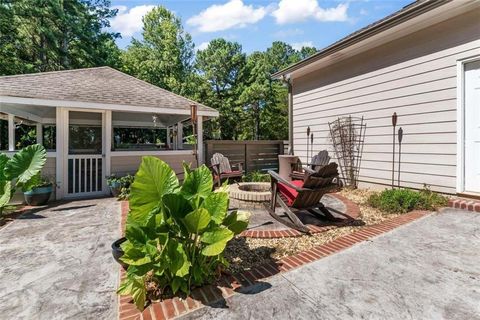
[249, 195]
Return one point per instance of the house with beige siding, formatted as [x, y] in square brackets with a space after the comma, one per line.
[81, 117]
[422, 62]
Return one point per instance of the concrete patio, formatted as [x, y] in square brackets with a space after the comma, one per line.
[57, 264]
[429, 269]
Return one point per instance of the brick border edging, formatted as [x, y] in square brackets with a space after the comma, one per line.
[351, 208]
[228, 285]
[465, 204]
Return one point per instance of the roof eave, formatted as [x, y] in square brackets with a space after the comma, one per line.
[104, 106]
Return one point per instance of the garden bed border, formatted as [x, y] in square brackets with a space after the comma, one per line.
[464, 204]
[228, 285]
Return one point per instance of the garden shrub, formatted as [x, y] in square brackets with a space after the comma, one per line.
[405, 200]
[125, 184]
[176, 234]
[256, 176]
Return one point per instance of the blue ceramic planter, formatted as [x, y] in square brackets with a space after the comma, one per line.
[38, 196]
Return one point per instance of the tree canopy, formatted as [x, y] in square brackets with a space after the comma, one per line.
[46, 35]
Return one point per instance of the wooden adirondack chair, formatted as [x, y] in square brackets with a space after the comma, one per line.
[222, 169]
[318, 161]
[298, 195]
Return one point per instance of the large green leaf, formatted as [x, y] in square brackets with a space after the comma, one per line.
[217, 240]
[198, 182]
[3, 161]
[26, 163]
[5, 193]
[154, 179]
[135, 235]
[237, 221]
[178, 259]
[217, 205]
[135, 257]
[134, 286]
[177, 206]
[197, 220]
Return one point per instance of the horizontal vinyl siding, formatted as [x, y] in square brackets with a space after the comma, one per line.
[123, 165]
[414, 76]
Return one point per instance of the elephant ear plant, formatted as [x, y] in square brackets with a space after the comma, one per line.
[17, 171]
[176, 234]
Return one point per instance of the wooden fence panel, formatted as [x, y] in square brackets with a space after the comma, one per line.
[259, 155]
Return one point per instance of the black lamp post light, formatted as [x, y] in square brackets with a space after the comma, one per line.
[308, 138]
[394, 124]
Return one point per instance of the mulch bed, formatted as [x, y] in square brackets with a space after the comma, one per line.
[246, 253]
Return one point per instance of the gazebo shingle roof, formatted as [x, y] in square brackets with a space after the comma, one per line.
[102, 85]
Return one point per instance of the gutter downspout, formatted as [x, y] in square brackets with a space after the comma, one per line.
[286, 80]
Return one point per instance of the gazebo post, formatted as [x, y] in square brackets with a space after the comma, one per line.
[107, 125]
[40, 133]
[200, 154]
[11, 132]
[179, 136]
[61, 150]
[168, 143]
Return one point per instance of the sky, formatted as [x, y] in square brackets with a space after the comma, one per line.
[256, 24]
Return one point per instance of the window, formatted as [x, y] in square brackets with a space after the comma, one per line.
[3, 134]
[85, 139]
[25, 133]
[50, 137]
[139, 139]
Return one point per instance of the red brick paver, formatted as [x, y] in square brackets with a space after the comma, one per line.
[465, 204]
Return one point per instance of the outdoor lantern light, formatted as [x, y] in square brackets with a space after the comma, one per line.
[394, 124]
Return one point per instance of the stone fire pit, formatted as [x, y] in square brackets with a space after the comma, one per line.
[249, 195]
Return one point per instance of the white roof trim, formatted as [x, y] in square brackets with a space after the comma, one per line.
[416, 23]
[93, 105]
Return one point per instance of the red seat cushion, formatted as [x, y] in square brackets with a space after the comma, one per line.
[288, 192]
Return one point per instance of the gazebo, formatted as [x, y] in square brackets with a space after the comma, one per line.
[96, 122]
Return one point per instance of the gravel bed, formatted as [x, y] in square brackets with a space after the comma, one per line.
[245, 253]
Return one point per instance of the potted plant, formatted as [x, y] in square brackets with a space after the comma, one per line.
[125, 183]
[115, 185]
[38, 190]
[117, 252]
[19, 169]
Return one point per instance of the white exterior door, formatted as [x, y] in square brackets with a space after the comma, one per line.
[472, 126]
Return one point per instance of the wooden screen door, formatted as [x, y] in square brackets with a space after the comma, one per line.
[85, 158]
[472, 126]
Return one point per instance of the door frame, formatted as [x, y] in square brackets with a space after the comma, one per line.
[63, 121]
[460, 188]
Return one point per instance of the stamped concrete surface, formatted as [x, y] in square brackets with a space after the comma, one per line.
[429, 269]
[56, 263]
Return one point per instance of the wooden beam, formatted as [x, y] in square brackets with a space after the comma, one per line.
[21, 113]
